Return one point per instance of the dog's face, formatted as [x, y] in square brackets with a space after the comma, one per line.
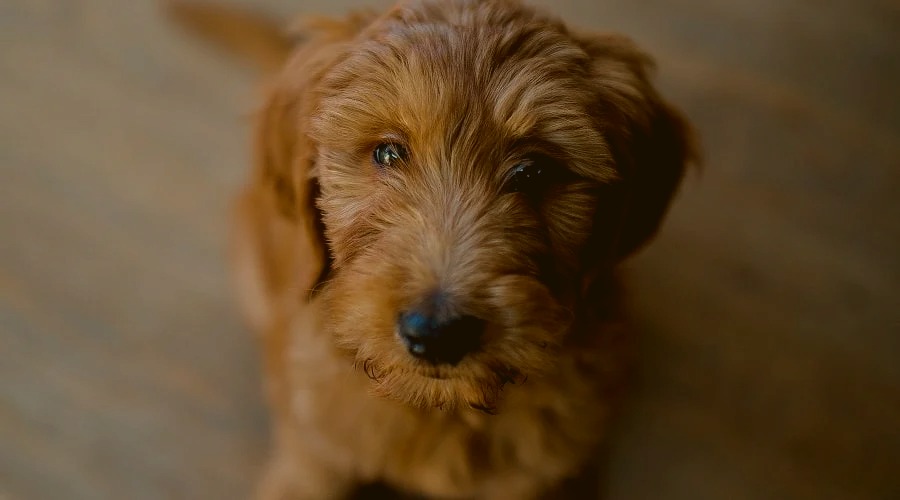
[475, 167]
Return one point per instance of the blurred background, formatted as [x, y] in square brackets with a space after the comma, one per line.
[768, 309]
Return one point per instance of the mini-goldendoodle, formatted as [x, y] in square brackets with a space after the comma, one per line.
[427, 242]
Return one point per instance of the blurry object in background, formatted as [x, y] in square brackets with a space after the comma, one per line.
[251, 36]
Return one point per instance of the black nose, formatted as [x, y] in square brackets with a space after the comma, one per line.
[438, 340]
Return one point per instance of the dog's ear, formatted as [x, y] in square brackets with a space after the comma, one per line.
[285, 178]
[285, 156]
[651, 144]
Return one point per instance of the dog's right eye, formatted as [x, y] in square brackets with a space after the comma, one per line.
[388, 154]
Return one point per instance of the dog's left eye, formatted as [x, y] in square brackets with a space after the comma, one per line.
[530, 176]
[388, 154]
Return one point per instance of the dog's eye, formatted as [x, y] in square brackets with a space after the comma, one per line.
[388, 154]
[530, 176]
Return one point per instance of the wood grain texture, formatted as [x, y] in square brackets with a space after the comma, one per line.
[769, 307]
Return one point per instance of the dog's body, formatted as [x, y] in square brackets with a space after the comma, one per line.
[427, 246]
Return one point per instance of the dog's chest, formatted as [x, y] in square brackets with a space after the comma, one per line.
[539, 428]
[543, 430]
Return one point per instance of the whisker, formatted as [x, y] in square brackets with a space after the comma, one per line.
[484, 409]
[317, 288]
[369, 369]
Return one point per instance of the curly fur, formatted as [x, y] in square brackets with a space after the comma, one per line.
[330, 248]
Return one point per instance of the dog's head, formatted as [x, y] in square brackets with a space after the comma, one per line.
[467, 169]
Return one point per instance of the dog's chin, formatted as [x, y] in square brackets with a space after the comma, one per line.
[471, 384]
[477, 382]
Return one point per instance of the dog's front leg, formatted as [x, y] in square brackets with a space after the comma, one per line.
[290, 475]
[520, 487]
[583, 485]
[296, 469]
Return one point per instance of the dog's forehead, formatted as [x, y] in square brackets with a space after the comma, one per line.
[434, 79]
[511, 75]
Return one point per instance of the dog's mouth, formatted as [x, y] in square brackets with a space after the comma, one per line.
[434, 372]
[475, 382]
[459, 368]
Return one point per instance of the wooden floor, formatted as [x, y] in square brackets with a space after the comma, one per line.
[769, 307]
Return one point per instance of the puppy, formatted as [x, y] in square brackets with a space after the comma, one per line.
[427, 242]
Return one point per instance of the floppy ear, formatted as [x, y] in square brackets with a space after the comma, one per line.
[278, 241]
[650, 141]
[285, 185]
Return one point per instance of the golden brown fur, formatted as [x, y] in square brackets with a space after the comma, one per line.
[330, 247]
